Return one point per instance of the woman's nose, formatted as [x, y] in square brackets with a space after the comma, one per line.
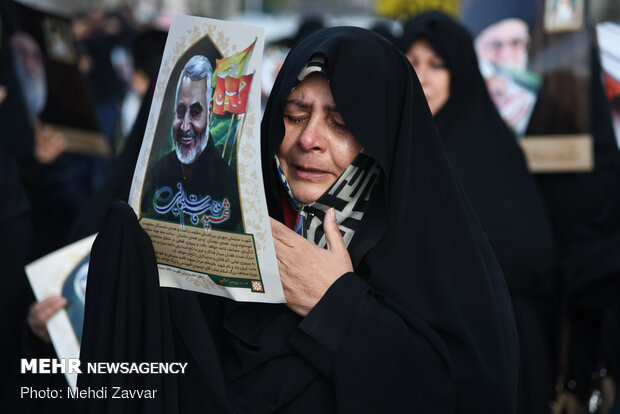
[313, 135]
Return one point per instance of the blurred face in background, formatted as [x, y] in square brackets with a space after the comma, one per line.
[28, 64]
[27, 51]
[317, 145]
[433, 74]
[504, 43]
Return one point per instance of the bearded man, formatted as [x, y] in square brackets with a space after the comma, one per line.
[192, 184]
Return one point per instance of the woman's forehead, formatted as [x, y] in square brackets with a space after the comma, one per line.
[313, 90]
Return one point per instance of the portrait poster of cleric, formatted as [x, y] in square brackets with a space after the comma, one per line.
[197, 187]
[45, 62]
[502, 38]
[538, 75]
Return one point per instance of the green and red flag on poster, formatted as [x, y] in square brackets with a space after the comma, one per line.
[232, 86]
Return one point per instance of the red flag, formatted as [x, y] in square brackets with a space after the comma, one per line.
[612, 87]
[237, 93]
[219, 96]
[231, 98]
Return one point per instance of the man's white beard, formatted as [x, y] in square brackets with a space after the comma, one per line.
[34, 90]
[189, 156]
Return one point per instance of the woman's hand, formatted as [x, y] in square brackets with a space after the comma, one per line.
[307, 270]
[49, 143]
[40, 312]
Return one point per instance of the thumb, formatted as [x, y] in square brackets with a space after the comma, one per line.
[332, 233]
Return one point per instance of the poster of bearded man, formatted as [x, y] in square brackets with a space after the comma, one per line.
[197, 189]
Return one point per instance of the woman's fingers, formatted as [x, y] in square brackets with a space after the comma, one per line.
[41, 312]
[335, 242]
[282, 234]
[307, 270]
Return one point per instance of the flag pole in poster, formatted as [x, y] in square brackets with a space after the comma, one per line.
[232, 90]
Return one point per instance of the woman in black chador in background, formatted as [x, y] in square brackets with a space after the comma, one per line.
[493, 171]
[404, 309]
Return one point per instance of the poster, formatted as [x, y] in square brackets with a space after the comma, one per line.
[537, 71]
[502, 40]
[608, 34]
[54, 92]
[197, 188]
[64, 272]
[563, 15]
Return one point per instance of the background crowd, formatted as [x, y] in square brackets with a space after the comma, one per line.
[556, 235]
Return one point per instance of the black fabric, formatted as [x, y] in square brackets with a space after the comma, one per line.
[488, 160]
[585, 212]
[147, 51]
[15, 295]
[128, 318]
[94, 212]
[421, 252]
[15, 200]
[130, 324]
[103, 81]
[423, 325]
[503, 193]
[590, 229]
[610, 342]
[17, 132]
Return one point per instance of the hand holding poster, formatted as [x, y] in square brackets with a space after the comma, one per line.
[197, 188]
[64, 272]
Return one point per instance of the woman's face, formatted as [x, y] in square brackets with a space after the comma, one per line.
[317, 145]
[433, 74]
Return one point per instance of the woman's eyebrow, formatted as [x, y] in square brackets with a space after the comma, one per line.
[307, 107]
[299, 103]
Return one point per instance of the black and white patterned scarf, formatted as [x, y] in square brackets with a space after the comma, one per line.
[348, 196]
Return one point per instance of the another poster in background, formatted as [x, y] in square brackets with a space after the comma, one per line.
[59, 40]
[502, 35]
[539, 79]
[563, 15]
[64, 272]
[197, 188]
[53, 87]
[608, 34]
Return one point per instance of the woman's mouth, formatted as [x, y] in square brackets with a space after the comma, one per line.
[309, 173]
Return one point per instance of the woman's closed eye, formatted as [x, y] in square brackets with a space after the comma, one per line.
[296, 119]
[340, 126]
